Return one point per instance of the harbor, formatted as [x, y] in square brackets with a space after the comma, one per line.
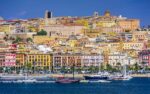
[133, 86]
[82, 78]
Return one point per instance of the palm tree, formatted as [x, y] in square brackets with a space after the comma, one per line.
[92, 69]
[109, 67]
[136, 67]
[17, 66]
[118, 65]
[28, 66]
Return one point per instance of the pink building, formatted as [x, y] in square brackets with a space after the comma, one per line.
[10, 60]
[144, 57]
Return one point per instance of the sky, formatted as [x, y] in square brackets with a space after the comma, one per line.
[11, 9]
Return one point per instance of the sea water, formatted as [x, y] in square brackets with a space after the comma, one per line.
[133, 86]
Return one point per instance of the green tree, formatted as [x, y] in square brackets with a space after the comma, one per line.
[29, 40]
[136, 67]
[130, 67]
[79, 70]
[102, 67]
[93, 69]
[28, 65]
[63, 69]
[109, 67]
[18, 39]
[42, 32]
[118, 66]
[147, 68]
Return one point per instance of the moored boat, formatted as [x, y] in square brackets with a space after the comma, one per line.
[67, 80]
[27, 81]
[123, 76]
[99, 76]
[96, 77]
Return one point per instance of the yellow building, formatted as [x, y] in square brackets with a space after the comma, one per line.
[72, 41]
[40, 60]
[5, 28]
[106, 23]
[20, 59]
[92, 32]
[42, 39]
[139, 36]
[133, 45]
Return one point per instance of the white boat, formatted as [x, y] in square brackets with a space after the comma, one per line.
[84, 81]
[104, 81]
[93, 81]
[27, 81]
[121, 78]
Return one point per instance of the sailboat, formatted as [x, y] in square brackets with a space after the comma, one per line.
[123, 76]
[67, 80]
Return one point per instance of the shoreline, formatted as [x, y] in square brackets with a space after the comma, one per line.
[76, 75]
[81, 75]
[141, 75]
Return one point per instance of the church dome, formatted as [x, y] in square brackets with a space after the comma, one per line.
[107, 13]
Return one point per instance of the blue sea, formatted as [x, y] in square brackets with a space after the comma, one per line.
[134, 86]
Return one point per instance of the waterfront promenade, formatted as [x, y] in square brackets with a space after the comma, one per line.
[81, 75]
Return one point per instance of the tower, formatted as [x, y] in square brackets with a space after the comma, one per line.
[95, 14]
[48, 14]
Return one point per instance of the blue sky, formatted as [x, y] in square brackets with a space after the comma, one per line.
[140, 9]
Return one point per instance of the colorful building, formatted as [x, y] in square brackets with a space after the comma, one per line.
[39, 60]
[140, 36]
[2, 59]
[10, 60]
[129, 24]
[144, 57]
[78, 60]
[62, 30]
[20, 59]
[133, 45]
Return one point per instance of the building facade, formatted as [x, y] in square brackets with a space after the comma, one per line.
[39, 60]
[77, 60]
[144, 57]
[129, 24]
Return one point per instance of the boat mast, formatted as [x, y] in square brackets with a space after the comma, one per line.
[73, 69]
[124, 68]
[99, 67]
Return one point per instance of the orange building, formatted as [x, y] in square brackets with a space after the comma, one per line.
[129, 24]
[20, 59]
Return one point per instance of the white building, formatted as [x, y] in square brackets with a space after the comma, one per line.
[121, 59]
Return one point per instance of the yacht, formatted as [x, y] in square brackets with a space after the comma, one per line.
[99, 76]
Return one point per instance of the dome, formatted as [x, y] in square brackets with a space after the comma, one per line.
[1, 18]
[107, 13]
